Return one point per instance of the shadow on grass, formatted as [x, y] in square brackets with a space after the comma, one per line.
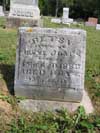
[8, 75]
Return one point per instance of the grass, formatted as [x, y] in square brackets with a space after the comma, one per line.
[43, 123]
[60, 122]
[7, 46]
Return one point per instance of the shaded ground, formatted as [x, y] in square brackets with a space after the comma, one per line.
[7, 72]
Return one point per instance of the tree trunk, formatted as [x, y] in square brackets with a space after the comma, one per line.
[57, 6]
[4, 5]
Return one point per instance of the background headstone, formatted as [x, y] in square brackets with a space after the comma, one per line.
[50, 64]
[65, 17]
[23, 11]
[1, 11]
[66, 13]
[91, 22]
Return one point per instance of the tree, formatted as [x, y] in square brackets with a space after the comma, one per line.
[57, 7]
[78, 8]
[62, 3]
[68, 2]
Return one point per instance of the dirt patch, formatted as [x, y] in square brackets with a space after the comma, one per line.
[97, 79]
[5, 107]
[6, 110]
[6, 115]
[3, 87]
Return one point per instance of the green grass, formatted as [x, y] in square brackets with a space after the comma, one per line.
[7, 46]
[2, 22]
[59, 122]
[8, 39]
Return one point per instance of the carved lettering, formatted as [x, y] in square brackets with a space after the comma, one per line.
[51, 61]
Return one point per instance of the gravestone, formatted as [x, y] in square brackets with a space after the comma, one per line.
[65, 18]
[91, 22]
[1, 11]
[50, 64]
[66, 13]
[23, 12]
[98, 27]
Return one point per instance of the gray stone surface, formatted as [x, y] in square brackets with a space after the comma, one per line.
[67, 21]
[50, 64]
[26, 2]
[24, 9]
[1, 11]
[41, 105]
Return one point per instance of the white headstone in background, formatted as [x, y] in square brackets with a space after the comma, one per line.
[66, 13]
[24, 9]
[98, 27]
[65, 17]
[1, 11]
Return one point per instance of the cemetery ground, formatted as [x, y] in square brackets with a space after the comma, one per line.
[13, 120]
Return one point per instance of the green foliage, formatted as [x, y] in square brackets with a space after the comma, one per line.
[59, 122]
[78, 8]
[3, 56]
[47, 7]
[8, 98]
[2, 22]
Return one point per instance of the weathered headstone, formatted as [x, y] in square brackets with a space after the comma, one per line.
[65, 18]
[50, 64]
[24, 11]
[1, 11]
[91, 22]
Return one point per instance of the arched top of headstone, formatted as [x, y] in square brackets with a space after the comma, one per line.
[26, 2]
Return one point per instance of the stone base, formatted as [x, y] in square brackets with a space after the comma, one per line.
[56, 20]
[90, 24]
[18, 22]
[67, 20]
[43, 105]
